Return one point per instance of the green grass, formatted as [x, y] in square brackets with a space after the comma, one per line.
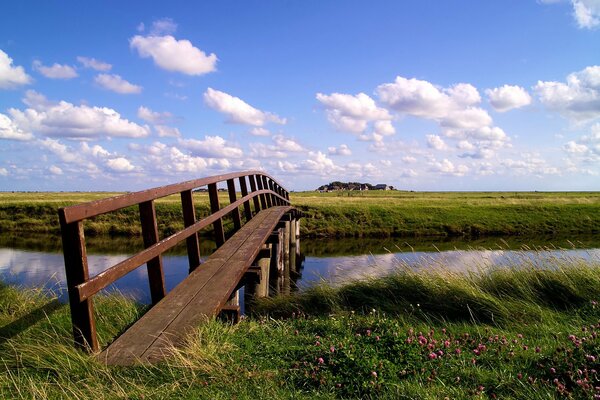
[349, 214]
[520, 334]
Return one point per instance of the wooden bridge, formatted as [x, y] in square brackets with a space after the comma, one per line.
[259, 241]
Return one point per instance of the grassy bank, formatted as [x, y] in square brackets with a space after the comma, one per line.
[510, 334]
[347, 214]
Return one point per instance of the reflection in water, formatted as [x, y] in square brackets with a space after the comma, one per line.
[338, 270]
[348, 259]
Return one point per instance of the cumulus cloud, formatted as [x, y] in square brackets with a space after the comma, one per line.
[531, 164]
[153, 117]
[211, 146]
[11, 76]
[54, 170]
[174, 55]
[94, 64]
[3, 172]
[93, 159]
[577, 99]
[353, 113]
[117, 84]
[163, 26]
[586, 13]
[508, 97]
[436, 142]
[320, 164]
[237, 110]
[446, 167]
[587, 147]
[258, 131]
[64, 119]
[55, 71]
[167, 131]
[279, 149]
[9, 130]
[342, 150]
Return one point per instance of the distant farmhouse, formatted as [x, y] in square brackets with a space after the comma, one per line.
[343, 186]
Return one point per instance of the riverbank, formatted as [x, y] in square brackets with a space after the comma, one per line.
[510, 334]
[346, 214]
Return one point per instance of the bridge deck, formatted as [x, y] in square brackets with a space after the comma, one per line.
[201, 295]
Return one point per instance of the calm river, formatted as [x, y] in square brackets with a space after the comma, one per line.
[39, 263]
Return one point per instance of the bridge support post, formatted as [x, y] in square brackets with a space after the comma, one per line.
[82, 312]
[286, 257]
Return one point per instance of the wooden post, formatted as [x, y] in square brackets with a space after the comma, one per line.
[267, 186]
[244, 190]
[255, 199]
[76, 267]
[155, 267]
[237, 221]
[189, 218]
[213, 195]
[286, 257]
[263, 197]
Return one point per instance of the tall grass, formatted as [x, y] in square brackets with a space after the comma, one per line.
[506, 333]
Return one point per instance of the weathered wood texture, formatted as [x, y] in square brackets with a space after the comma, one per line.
[200, 296]
[81, 287]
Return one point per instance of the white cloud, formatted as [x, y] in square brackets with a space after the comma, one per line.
[56, 71]
[454, 109]
[64, 119]
[578, 99]
[587, 13]
[9, 130]
[287, 144]
[257, 131]
[167, 131]
[265, 151]
[54, 170]
[436, 142]
[573, 147]
[342, 150]
[163, 26]
[508, 97]
[531, 164]
[174, 55]
[117, 84]
[153, 117]
[465, 145]
[3, 172]
[385, 163]
[409, 159]
[212, 147]
[320, 164]
[11, 76]
[446, 167]
[238, 110]
[352, 113]
[92, 63]
[120, 164]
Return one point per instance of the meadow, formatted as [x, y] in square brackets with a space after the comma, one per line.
[509, 334]
[347, 214]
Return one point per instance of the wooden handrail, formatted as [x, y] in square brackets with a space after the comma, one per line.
[90, 209]
[264, 192]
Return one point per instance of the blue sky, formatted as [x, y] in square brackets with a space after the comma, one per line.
[422, 95]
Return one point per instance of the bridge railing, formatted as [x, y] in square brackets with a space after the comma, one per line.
[264, 192]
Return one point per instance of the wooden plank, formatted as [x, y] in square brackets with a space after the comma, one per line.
[129, 347]
[212, 297]
[76, 266]
[263, 197]
[189, 219]
[237, 222]
[213, 195]
[156, 277]
[269, 197]
[148, 339]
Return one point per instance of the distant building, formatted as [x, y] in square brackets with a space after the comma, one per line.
[381, 186]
